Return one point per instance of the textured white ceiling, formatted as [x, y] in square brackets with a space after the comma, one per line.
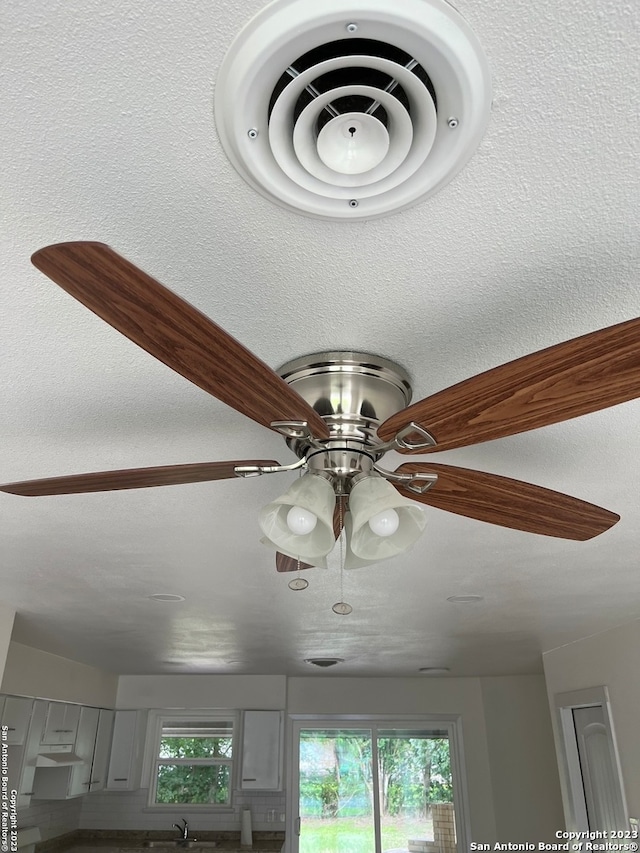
[108, 134]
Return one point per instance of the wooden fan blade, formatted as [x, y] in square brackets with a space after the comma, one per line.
[173, 331]
[290, 564]
[130, 478]
[583, 375]
[509, 503]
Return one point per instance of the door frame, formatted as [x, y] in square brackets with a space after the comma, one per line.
[452, 723]
[569, 765]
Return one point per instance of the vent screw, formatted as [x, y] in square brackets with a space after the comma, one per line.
[352, 28]
[353, 202]
[252, 133]
[453, 122]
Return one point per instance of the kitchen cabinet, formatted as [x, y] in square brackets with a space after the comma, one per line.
[127, 748]
[101, 752]
[61, 724]
[27, 761]
[16, 713]
[262, 751]
[89, 752]
[80, 774]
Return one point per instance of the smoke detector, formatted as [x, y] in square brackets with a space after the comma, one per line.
[352, 110]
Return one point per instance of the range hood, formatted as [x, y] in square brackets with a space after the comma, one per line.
[57, 759]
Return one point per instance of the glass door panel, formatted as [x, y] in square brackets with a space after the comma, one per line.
[415, 791]
[336, 791]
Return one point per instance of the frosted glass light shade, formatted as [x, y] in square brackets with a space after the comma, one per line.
[314, 494]
[375, 495]
[351, 561]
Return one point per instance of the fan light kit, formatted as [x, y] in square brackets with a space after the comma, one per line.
[352, 111]
[341, 412]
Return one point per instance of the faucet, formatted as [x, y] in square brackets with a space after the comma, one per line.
[183, 830]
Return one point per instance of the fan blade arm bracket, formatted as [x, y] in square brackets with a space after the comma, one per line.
[402, 440]
[246, 471]
[297, 430]
[418, 483]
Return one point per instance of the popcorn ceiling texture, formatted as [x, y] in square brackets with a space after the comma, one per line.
[108, 134]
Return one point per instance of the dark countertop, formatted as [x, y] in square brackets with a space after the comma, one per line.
[127, 841]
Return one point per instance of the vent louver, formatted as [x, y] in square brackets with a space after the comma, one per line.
[352, 110]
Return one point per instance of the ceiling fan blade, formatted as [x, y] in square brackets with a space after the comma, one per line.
[290, 564]
[582, 375]
[130, 478]
[173, 331]
[509, 503]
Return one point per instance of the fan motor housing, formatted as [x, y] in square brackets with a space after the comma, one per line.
[352, 110]
[354, 393]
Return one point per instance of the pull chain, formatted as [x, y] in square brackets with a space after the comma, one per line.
[298, 583]
[341, 608]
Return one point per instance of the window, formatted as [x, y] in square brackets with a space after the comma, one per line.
[192, 760]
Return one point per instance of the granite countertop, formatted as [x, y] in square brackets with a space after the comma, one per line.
[128, 841]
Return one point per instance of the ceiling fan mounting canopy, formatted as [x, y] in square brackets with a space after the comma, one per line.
[354, 393]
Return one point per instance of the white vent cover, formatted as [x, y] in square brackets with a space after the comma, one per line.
[352, 110]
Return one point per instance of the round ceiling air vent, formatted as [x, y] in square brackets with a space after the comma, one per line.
[352, 110]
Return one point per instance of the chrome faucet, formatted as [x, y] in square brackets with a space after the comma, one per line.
[183, 830]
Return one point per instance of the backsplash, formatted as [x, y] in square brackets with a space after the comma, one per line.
[129, 810]
[53, 817]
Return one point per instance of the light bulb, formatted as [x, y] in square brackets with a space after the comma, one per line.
[301, 521]
[384, 523]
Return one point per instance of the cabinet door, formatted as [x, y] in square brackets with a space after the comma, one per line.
[261, 750]
[16, 715]
[61, 724]
[101, 753]
[80, 778]
[31, 750]
[127, 748]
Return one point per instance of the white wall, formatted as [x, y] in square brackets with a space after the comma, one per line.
[32, 672]
[7, 615]
[524, 771]
[261, 692]
[609, 659]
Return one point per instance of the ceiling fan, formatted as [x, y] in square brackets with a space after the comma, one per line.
[341, 412]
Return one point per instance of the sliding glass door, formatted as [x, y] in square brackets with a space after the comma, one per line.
[373, 787]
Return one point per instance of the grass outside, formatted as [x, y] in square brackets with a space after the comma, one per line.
[355, 835]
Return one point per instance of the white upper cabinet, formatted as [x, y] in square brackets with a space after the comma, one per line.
[262, 751]
[16, 714]
[30, 752]
[61, 725]
[80, 776]
[100, 764]
[127, 748]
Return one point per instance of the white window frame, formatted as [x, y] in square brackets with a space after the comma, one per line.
[451, 723]
[157, 719]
